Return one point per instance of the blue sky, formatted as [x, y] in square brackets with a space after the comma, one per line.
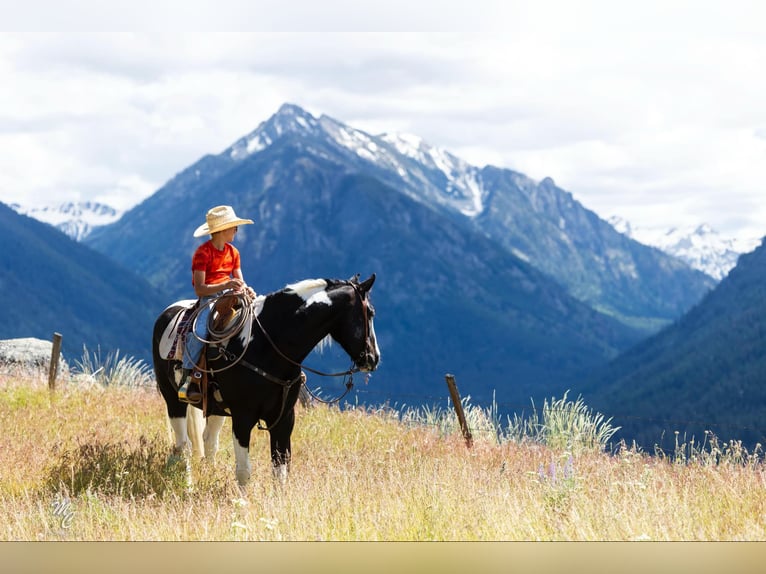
[652, 111]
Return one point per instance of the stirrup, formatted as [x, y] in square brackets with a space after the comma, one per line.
[189, 391]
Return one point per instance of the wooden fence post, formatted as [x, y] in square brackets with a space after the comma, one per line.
[459, 409]
[54, 366]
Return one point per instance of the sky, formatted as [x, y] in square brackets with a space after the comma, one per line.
[652, 111]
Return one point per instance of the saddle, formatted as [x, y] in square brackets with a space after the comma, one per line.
[171, 343]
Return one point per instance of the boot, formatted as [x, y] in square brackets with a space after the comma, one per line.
[189, 391]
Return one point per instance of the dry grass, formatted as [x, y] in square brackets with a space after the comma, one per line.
[89, 463]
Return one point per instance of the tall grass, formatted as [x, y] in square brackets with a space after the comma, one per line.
[112, 370]
[565, 424]
[91, 462]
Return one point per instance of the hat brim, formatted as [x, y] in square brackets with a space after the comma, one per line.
[205, 230]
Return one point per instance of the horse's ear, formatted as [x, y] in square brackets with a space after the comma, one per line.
[367, 284]
[354, 278]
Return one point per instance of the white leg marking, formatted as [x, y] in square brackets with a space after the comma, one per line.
[210, 436]
[242, 456]
[280, 473]
[180, 452]
[195, 425]
[179, 434]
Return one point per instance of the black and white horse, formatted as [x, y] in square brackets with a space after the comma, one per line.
[258, 372]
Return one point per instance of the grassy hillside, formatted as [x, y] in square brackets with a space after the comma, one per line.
[89, 463]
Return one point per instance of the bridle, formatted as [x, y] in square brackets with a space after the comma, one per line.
[349, 372]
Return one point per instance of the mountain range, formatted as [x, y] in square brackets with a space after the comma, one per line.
[51, 283]
[508, 283]
[701, 246]
[703, 373]
[511, 284]
[76, 219]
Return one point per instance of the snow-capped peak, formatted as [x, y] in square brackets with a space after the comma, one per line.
[701, 246]
[288, 119]
[438, 175]
[462, 187]
[76, 219]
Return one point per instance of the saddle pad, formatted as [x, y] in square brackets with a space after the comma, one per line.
[168, 347]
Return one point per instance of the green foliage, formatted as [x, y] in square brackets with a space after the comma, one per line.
[560, 484]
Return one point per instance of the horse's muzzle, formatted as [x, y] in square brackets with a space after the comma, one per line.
[368, 361]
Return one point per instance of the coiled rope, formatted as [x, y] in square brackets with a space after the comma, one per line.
[243, 309]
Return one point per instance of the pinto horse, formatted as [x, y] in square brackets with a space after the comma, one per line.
[258, 373]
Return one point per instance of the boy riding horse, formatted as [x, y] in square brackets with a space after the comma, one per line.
[215, 268]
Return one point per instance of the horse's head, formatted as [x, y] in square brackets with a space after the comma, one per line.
[355, 330]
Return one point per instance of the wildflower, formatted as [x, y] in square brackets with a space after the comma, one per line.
[569, 468]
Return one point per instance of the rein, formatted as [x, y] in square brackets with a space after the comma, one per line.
[350, 371]
[347, 373]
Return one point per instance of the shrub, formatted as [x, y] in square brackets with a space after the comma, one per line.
[566, 425]
[112, 371]
[119, 469]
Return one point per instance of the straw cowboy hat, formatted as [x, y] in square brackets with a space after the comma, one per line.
[218, 219]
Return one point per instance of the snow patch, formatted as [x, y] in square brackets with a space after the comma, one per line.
[700, 246]
[76, 219]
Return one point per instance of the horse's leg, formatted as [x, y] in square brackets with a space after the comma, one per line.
[180, 434]
[210, 436]
[241, 426]
[176, 413]
[280, 445]
[180, 453]
[194, 428]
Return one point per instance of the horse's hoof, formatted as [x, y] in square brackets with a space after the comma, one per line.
[243, 477]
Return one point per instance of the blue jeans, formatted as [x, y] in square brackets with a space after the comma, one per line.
[193, 346]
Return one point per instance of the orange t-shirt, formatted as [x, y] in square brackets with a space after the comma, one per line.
[217, 265]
